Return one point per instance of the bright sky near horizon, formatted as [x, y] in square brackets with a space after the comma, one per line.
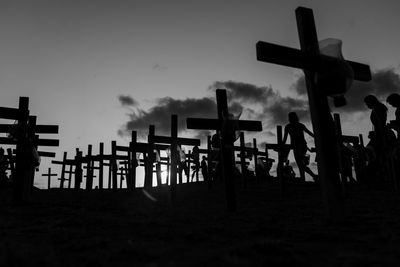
[75, 58]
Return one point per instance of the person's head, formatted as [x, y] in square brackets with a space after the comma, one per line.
[394, 100]
[204, 157]
[371, 101]
[293, 118]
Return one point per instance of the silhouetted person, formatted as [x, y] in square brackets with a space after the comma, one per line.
[182, 164]
[296, 130]
[216, 157]
[196, 161]
[394, 101]
[204, 169]
[378, 119]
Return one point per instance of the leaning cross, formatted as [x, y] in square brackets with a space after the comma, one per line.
[226, 126]
[311, 61]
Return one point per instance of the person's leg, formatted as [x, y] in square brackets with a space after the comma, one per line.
[299, 158]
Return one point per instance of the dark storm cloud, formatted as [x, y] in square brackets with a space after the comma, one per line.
[278, 112]
[160, 114]
[126, 100]
[244, 92]
[274, 107]
[383, 83]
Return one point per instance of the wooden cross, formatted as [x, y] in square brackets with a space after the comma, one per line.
[311, 61]
[49, 175]
[227, 127]
[24, 169]
[174, 140]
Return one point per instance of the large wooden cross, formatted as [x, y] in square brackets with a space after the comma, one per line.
[226, 127]
[311, 61]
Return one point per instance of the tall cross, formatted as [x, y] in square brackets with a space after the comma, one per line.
[226, 127]
[311, 61]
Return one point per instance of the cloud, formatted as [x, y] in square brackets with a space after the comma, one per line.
[273, 107]
[244, 92]
[160, 115]
[383, 83]
[126, 100]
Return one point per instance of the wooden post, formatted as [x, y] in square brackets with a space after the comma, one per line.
[21, 191]
[62, 178]
[255, 158]
[188, 163]
[33, 145]
[78, 169]
[339, 135]
[149, 163]
[243, 160]
[101, 165]
[209, 162]
[89, 170]
[174, 155]
[70, 176]
[280, 159]
[133, 163]
[114, 165]
[158, 169]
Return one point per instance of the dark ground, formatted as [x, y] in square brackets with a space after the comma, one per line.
[66, 228]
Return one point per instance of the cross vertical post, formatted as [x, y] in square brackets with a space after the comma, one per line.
[89, 170]
[323, 127]
[255, 158]
[101, 165]
[243, 160]
[148, 181]
[133, 160]
[280, 159]
[20, 193]
[78, 169]
[339, 135]
[227, 150]
[62, 178]
[174, 155]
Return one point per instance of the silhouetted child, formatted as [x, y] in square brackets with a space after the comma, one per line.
[299, 145]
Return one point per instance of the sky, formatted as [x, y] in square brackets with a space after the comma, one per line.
[100, 69]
